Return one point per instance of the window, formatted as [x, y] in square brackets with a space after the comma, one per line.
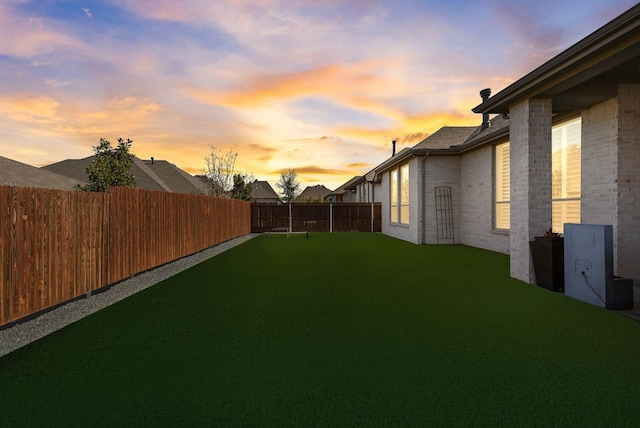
[404, 194]
[566, 141]
[363, 192]
[566, 173]
[502, 187]
[393, 195]
[399, 195]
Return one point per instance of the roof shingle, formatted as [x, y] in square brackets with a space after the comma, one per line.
[14, 173]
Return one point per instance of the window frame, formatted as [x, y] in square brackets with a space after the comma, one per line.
[399, 196]
[568, 177]
[560, 152]
[502, 192]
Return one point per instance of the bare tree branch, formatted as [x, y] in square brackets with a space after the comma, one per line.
[219, 170]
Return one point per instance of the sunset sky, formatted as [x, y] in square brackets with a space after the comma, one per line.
[319, 86]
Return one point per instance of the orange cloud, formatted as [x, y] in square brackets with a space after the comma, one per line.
[410, 130]
[358, 165]
[309, 169]
[255, 147]
[30, 108]
[333, 81]
[47, 111]
[258, 152]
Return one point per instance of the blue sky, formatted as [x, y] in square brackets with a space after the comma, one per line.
[320, 87]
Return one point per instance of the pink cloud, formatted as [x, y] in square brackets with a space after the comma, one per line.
[24, 36]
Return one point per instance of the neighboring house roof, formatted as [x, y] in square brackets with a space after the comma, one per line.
[161, 176]
[312, 193]
[146, 178]
[212, 188]
[77, 169]
[262, 190]
[14, 173]
[177, 180]
[599, 61]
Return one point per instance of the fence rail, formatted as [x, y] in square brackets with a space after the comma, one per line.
[339, 217]
[58, 245]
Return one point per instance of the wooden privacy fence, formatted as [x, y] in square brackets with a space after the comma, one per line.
[338, 217]
[58, 245]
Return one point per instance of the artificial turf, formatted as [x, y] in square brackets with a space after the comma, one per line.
[334, 330]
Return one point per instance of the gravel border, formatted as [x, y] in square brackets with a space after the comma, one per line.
[20, 334]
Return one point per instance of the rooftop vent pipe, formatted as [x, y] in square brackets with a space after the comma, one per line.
[485, 94]
[151, 160]
[393, 150]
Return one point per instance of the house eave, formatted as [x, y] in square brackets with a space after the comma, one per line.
[399, 159]
[482, 140]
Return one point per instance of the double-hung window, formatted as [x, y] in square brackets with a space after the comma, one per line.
[399, 195]
[502, 187]
[566, 142]
[566, 173]
[363, 195]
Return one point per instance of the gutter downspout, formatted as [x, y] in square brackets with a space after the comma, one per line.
[331, 217]
[373, 201]
[423, 209]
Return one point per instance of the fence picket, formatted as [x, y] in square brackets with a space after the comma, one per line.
[58, 245]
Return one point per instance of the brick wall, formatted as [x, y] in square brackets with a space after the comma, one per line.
[628, 156]
[441, 171]
[470, 177]
[411, 232]
[600, 166]
[476, 207]
[611, 174]
[530, 147]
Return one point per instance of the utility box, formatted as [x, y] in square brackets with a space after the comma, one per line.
[588, 273]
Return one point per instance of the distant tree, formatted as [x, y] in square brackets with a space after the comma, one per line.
[110, 167]
[289, 185]
[219, 170]
[242, 188]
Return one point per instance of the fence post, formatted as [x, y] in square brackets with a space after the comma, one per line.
[290, 230]
[372, 219]
[331, 217]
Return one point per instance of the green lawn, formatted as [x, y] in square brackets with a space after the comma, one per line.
[334, 330]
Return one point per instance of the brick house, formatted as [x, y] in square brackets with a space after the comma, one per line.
[563, 146]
